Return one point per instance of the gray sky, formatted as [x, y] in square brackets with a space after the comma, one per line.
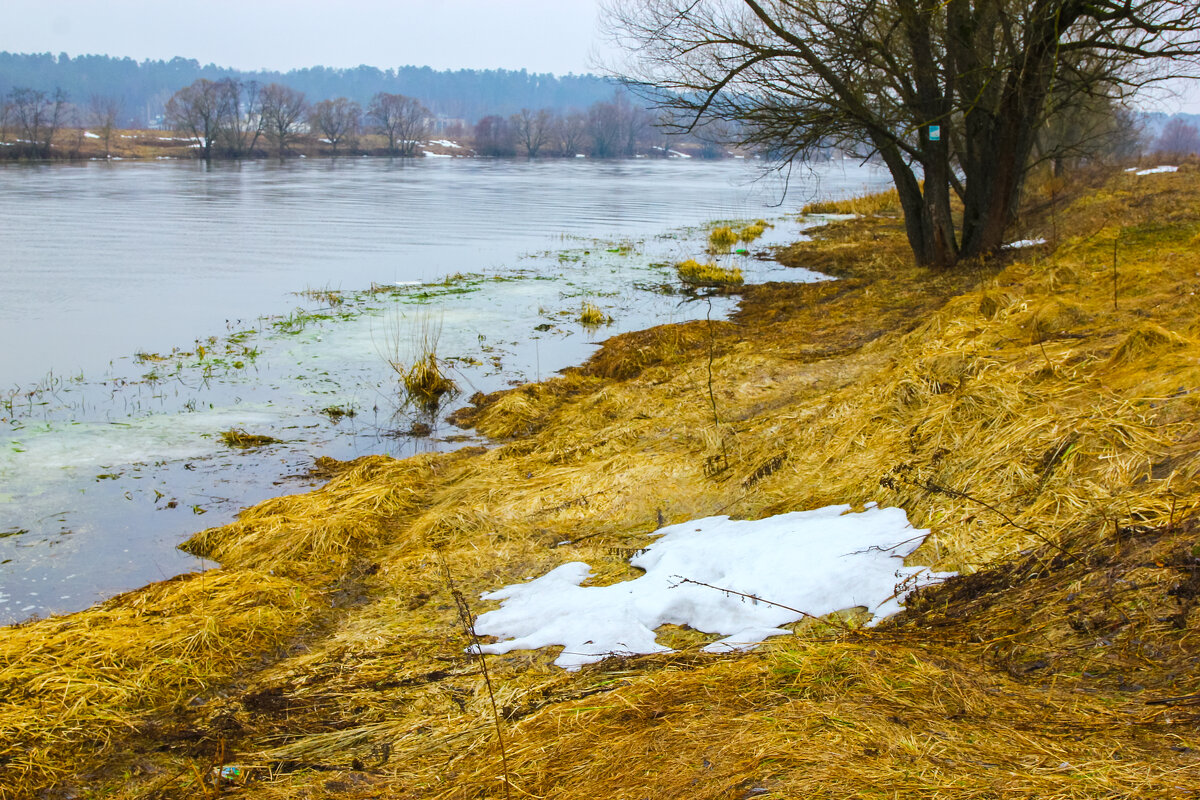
[539, 35]
[558, 36]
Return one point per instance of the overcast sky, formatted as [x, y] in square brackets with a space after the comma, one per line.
[558, 36]
[538, 35]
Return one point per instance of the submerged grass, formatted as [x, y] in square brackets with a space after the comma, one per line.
[1049, 440]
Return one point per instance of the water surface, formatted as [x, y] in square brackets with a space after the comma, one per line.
[149, 307]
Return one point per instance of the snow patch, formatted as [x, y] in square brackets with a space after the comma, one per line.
[90, 135]
[446, 143]
[1017, 245]
[816, 562]
[1155, 170]
[429, 154]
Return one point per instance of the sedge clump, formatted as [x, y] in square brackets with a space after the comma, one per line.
[751, 232]
[720, 240]
[592, 314]
[425, 383]
[708, 274]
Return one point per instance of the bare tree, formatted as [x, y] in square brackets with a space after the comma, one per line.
[339, 120]
[37, 117]
[953, 92]
[1178, 138]
[403, 120]
[571, 132]
[533, 129]
[104, 111]
[283, 110]
[242, 123]
[197, 111]
[494, 136]
[606, 128]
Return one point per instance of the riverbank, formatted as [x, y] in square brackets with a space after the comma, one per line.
[1037, 414]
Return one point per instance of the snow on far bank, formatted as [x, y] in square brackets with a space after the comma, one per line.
[817, 561]
[1017, 245]
[429, 154]
[445, 143]
[90, 135]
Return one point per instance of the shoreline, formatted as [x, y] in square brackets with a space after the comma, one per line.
[327, 654]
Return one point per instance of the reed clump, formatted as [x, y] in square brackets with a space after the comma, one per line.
[426, 383]
[752, 232]
[592, 314]
[1059, 474]
[722, 239]
[708, 274]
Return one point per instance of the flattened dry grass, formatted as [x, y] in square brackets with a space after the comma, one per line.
[1055, 461]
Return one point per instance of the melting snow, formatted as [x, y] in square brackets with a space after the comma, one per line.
[1155, 170]
[817, 562]
[90, 135]
[1017, 245]
[429, 154]
[445, 143]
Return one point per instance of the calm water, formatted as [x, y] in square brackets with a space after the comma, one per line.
[113, 458]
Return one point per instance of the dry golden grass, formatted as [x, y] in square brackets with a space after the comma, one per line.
[885, 203]
[592, 314]
[722, 239]
[1048, 437]
[708, 274]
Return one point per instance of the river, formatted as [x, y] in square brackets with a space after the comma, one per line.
[149, 307]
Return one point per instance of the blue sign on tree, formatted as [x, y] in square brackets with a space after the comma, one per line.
[935, 133]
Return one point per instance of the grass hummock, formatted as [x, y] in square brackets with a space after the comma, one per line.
[708, 274]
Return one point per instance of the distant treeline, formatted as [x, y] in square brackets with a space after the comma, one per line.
[143, 88]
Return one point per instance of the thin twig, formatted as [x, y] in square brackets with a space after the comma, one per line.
[756, 599]
[468, 622]
[930, 486]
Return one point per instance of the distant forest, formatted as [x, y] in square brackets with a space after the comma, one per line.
[143, 88]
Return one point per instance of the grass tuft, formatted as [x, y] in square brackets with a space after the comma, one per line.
[592, 314]
[708, 274]
[721, 240]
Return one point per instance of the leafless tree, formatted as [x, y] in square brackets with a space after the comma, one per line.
[104, 111]
[533, 129]
[953, 92]
[37, 117]
[494, 136]
[403, 120]
[1178, 138]
[606, 128]
[242, 123]
[197, 111]
[339, 120]
[571, 132]
[283, 110]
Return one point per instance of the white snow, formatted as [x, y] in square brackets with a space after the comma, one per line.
[812, 561]
[90, 135]
[1017, 245]
[446, 143]
[1155, 170]
[429, 154]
